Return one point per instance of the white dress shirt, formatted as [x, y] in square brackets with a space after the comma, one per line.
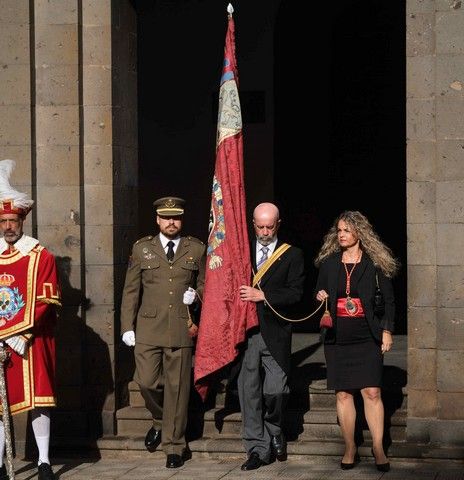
[271, 248]
[164, 242]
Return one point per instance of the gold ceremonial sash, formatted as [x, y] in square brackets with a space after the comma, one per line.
[268, 263]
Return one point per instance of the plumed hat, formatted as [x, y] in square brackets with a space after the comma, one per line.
[12, 201]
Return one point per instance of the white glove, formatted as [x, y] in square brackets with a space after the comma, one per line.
[189, 296]
[129, 338]
[17, 343]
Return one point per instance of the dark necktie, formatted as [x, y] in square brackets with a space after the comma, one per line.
[170, 252]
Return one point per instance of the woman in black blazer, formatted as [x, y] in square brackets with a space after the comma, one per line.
[352, 261]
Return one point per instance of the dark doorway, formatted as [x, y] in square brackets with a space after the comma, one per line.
[353, 101]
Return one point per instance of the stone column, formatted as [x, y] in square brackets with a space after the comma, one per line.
[98, 219]
[435, 138]
[56, 167]
[15, 85]
[68, 116]
[16, 113]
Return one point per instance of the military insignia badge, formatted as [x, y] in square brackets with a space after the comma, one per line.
[147, 254]
[11, 301]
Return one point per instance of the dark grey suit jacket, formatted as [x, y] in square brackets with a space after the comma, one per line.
[282, 285]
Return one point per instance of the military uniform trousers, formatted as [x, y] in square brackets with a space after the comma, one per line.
[263, 391]
[163, 374]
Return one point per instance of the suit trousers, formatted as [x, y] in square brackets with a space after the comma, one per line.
[263, 391]
[163, 375]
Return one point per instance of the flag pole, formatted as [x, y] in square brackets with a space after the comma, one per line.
[6, 413]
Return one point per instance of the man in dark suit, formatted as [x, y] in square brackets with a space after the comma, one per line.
[277, 284]
[161, 279]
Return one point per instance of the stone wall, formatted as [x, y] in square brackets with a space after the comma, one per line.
[68, 118]
[17, 119]
[435, 192]
[68, 78]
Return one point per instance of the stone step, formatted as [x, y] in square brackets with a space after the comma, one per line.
[313, 416]
[309, 431]
[217, 423]
[233, 448]
[318, 397]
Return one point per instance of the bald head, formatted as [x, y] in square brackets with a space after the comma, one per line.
[266, 211]
[266, 223]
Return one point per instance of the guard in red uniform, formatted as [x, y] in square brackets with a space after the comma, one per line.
[28, 295]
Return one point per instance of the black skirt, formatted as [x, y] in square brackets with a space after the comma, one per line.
[355, 361]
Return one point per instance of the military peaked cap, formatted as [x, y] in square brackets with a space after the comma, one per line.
[172, 206]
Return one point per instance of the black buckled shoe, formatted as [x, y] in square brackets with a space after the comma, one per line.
[3, 473]
[279, 446]
[152, 439]
[174, 461]
[253, 462]
[46, 472]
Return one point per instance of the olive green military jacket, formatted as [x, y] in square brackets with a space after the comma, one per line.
[152, 300]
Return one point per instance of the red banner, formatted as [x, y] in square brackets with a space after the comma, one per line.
[225, 318]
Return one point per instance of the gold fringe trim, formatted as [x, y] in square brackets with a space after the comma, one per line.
[49, 300]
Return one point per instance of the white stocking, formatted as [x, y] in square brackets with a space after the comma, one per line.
[41, 427]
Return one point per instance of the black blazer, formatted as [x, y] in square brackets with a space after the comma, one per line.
[328, 278]
[282, 285]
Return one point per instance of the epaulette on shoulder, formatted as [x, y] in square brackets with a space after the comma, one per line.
[144, 239]
[193, 239]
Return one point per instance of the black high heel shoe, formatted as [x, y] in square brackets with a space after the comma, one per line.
[381, 467]
[349, 466]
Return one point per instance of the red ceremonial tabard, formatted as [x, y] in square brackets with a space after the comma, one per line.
[28, 295]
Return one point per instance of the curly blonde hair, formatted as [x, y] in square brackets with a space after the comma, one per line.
[370, 242]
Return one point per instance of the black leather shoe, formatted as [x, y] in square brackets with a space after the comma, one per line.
[252, 463]
[174, 461]
[279, 446]
[45, 472]
[186, 454]
[153, 439]
[3, 473]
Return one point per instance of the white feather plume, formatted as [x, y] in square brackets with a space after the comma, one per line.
[7, 192]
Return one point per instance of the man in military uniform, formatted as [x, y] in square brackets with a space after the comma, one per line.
[165, 274]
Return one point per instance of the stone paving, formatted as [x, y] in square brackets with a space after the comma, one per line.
[229, 469]
[140, 465]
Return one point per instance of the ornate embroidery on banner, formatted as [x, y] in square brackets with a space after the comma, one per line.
[11, 301]
[230, 112]
[217, 226]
